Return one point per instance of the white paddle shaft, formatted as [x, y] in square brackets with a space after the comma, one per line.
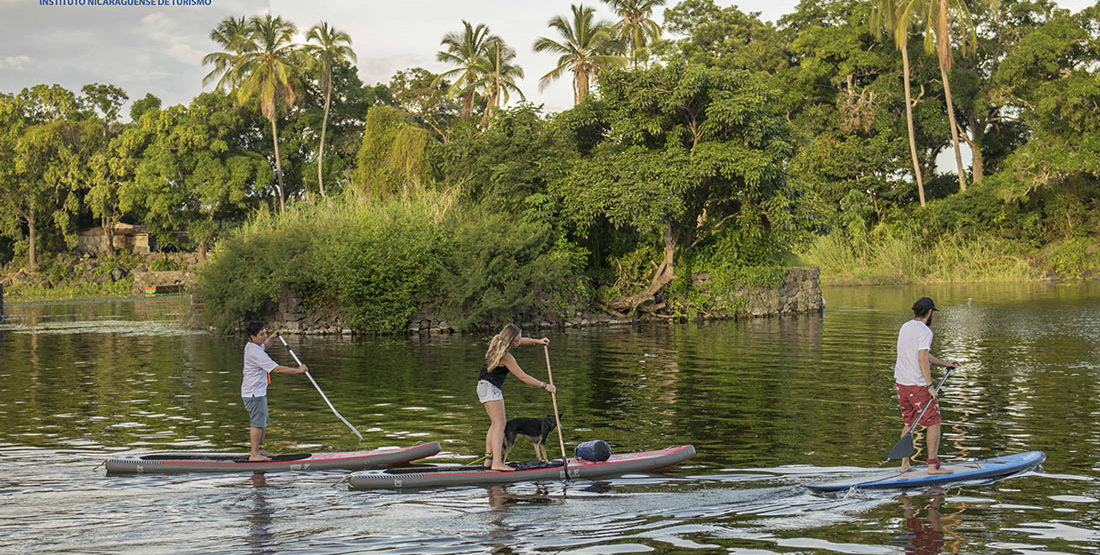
[323, 396]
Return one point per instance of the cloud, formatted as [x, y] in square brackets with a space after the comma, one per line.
[15, 62]
[172, 39]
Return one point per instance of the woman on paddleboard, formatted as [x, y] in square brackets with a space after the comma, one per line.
[497, 365]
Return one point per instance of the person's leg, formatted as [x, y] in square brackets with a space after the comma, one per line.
[488, 439]
[264, 452]
[908, 415]
[256, 438]
[257, 415]
[905, 461]
[934, 450]
[494, 439]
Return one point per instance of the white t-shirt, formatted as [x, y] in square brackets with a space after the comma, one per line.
[914, 337]
[257, 365]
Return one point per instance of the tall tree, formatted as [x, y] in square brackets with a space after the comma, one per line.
[424, 95]
[466, 50]
[691, 154]
[586, 46]
[46, 142]
[501, 73]
[328, 46]
[105, 99]
[636, 26]
[193, 167]
[937, 38]
[267, 70]
[896, 17]
[234, 35]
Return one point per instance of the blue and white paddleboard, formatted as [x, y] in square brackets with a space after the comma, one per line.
[919, 477]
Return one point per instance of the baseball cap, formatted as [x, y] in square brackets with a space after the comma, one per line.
[923, 305]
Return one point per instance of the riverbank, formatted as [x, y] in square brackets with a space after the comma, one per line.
[798, 292]
[80, 276]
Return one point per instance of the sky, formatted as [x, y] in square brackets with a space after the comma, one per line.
[159, 49]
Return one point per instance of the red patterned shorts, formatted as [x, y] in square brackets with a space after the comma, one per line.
[911, 399]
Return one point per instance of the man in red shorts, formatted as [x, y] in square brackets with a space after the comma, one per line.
[913, 378]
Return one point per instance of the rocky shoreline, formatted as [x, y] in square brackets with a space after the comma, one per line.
[125, 274]
[799, 293]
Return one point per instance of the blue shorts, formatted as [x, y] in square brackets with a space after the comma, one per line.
[257, 411]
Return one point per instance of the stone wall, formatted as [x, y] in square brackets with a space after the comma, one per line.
[143, 276]
[799, 292]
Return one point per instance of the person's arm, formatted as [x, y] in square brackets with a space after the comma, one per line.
[523, 341]
[938, 362]
[513, 367]
[923, 358]
[288, 370]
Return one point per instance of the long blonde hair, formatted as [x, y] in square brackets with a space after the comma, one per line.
[500, 344]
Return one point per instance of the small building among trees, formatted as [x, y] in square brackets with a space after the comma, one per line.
[126, 237]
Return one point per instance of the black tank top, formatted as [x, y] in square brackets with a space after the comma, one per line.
[495, 376]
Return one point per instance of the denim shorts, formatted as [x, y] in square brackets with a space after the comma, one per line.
[488, 392]
[257, 411]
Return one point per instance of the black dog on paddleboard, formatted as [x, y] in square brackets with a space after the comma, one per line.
[534, 429]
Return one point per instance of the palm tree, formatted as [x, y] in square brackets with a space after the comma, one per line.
[267, 72]
[331, 47]
[467, 51]
[937, 38]
[896, 18]
[235, 36]
[636, 26]
[501, 74]
[260, 59]
[588, 47]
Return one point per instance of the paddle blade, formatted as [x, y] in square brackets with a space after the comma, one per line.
[904, 447]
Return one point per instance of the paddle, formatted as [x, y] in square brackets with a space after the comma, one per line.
[904, 446]
[323, 396]
[557, 419]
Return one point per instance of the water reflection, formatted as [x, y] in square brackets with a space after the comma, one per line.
[926, 532]
[259, 519]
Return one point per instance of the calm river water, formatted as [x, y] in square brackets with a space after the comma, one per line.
[770, 404]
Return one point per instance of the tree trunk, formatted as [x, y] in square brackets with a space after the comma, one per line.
[909, 122]
[944, 56]
[581, 79]
[468, 100]
[278, 166]
[661, 277]
[977, 137]
[108, 223]
[324, 127]
[32, 236]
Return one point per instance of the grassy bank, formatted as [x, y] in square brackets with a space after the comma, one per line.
[892, 256]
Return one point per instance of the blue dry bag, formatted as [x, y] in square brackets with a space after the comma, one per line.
[596, 450]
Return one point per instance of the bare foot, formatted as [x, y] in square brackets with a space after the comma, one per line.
[502, 468]
[258, 458]
[940, 470]
[267, 454]
[905, 468]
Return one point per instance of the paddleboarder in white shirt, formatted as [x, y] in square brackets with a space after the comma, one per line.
[913, 379]
[256, 375]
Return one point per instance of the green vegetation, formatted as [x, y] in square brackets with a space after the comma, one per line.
[694, 163]
[377, 263]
